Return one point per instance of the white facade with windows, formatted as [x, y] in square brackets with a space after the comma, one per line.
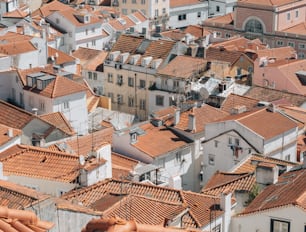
[183, 16]
[217, 7]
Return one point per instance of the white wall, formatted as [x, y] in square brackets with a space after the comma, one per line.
[12, 142]
[26, 60]
[260, 222]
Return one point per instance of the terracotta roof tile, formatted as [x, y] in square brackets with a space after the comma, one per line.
[16, 14]
[175, 68]
[179, 3]
[40, 163]
[21, 220]
[289, 190]
[270, 95]
[158, 141]
[281, 53]
[127, 43]
[197, 31]
[17, 196]
[122, 165]
[159, 49]
[224, 19]
[60, 86]
[24, 72]
[5, 134]
[203, 115]
[59, 121]
[17, 47]
[13, 116]
[234, 100]
[229, 181]
[47, 9]
[59, 56]
[249, 165]
[299, 29]
[268, 2]
[214, 53]
[176, 34]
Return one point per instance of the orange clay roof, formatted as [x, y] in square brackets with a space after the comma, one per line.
[17, 196]
[60, 57]
[175, 68]
[197, 31]
[24, 72]
[21, 220]
[288, 191]
[122, 165]
[59, 121]
[249, 166]
[178, 3]
[4, 134]
[269, 2]
[234, 100]
[60, 86]
[203, 115]
[49, 8]
[17, 47]
[151, 195]
[158, 141]
[229, 181]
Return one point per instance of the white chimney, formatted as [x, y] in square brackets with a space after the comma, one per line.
[10, 133]
[177, 115]
[191, 121]
[226, 206]
[266, 173]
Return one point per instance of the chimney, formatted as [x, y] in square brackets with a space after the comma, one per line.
[177, 115]
[271, 108]
[191, 121]
[226, 206]
[10, 133]
[266, 173]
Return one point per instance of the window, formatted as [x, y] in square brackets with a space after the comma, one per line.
[156, 13]
[93, 42]
[301, 55]
[218, 34]
[254, 26]
[227, 35]
[131, 81]
[302, 46]
[279, 43]
[95, 76]
[230, 140]
[161, 162]
[21, 99]
[142, 84]
[164, 11]
[182, 17]
[134, 1]
[124, 11]
[199, 14]
[217, 8]
[66, 105]
[131, 102]
[119, 80]
[111, 96]
[57, 21]
[110, 77]
[287, 157]
[119, 99]
[296, 13]
[93, 30]
[89, 75]
[279, 226]
[217, 228]
[237, 142]
[288, 16]
[178, 157]
[291, 44]
[41, 105]
[145, 176]
[13, 94]
[143, 2]
[211, 159]
[216, 143]
[159, 100]
[86, 31]
[16, 79]
[142, 104]
[124, 1]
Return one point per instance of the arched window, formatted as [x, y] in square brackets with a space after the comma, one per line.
[254, 26]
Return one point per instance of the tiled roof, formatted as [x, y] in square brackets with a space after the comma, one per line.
[118, 24]
[270, 95]
[127, 43]
[83, 145]
[234, 100]
[21, 220]
[197, 31]
[289, 190]
[149, 196]
[59, 56]
[90, 59]
[16, 14]
[10, 37]
[60, 86]
[268, 2]
[299, 29]
[59, 121]
[158, 140]
[40, 163]
[281, 53]
[159, 49]
[213, 53]
[71, 15]
[191, 67]
[224, 19]
[13, 116]
[24, 72]
[17, 47]
[17, 196]
[203, 115]
[264, 122]
[297, 113]
[179, 3]
[144, 209]
[249, 165]
[122, 165]
[5, 134]
[47, 9]
[176, 34]
[229, 181]
[240, 44]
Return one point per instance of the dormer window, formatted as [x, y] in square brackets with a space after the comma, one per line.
[133, 138]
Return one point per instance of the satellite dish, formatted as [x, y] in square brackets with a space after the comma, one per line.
[82, 160]
[158, 82]
[204, 93]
